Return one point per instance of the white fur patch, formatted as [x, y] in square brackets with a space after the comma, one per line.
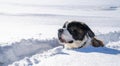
[78, 43]
[66, 35]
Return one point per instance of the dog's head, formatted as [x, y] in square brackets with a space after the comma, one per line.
[74, 31]
[76, 34]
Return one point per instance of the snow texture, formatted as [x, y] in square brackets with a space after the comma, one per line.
[19, 50]
[30, 47]
[28, 32]
[59, 56]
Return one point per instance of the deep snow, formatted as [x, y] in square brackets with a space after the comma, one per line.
[13, 52]
[83, 57]
[61, 57]
[28, 30]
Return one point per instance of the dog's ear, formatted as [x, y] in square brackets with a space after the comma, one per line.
[65, 24]
[89, 31]
[97, 43]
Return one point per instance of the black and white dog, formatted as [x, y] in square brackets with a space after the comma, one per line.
[77, 34]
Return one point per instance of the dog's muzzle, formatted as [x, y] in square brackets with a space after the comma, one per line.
[60, 32]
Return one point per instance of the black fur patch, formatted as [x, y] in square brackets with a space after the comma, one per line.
[78, 30]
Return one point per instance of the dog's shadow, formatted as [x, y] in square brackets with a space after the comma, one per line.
[104, 50]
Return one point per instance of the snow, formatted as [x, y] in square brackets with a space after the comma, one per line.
[62, 2]
[91, 56]
[59, 56]
[39, 47]
[28, 32]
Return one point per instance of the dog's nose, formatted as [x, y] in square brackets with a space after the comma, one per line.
[60, 30]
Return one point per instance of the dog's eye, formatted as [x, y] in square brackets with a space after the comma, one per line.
[70, 42]
[72, 30]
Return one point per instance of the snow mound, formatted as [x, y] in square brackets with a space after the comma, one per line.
[35, 59]
[114, 45]
[62, 57]
[56, 56]
[83, 57]
[110, 37]
[19, 50]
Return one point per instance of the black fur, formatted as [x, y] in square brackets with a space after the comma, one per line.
[64, 26]
[79, 30]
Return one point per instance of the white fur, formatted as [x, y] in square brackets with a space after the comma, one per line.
[66, 35]
[66, 23]
[78, 43]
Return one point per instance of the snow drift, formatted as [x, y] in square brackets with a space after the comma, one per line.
[19, 50]
[13, 52]
[84, 56]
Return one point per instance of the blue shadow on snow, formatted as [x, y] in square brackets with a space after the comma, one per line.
[104, 50]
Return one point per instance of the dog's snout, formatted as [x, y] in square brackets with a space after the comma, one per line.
[60, 30]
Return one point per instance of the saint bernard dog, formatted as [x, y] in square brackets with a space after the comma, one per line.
[77, 34]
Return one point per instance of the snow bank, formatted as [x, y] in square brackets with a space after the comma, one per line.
[110, 37]
[32, 46]
[114, 45]
[35, 59]
[19, 50]
[62, 57]
[83, 57]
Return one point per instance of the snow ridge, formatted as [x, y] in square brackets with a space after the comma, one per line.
[19, 50]
[40, 59]
[108, 38]
[13, 52]
[35, 59]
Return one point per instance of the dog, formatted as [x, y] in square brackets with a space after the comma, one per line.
[77, 34]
